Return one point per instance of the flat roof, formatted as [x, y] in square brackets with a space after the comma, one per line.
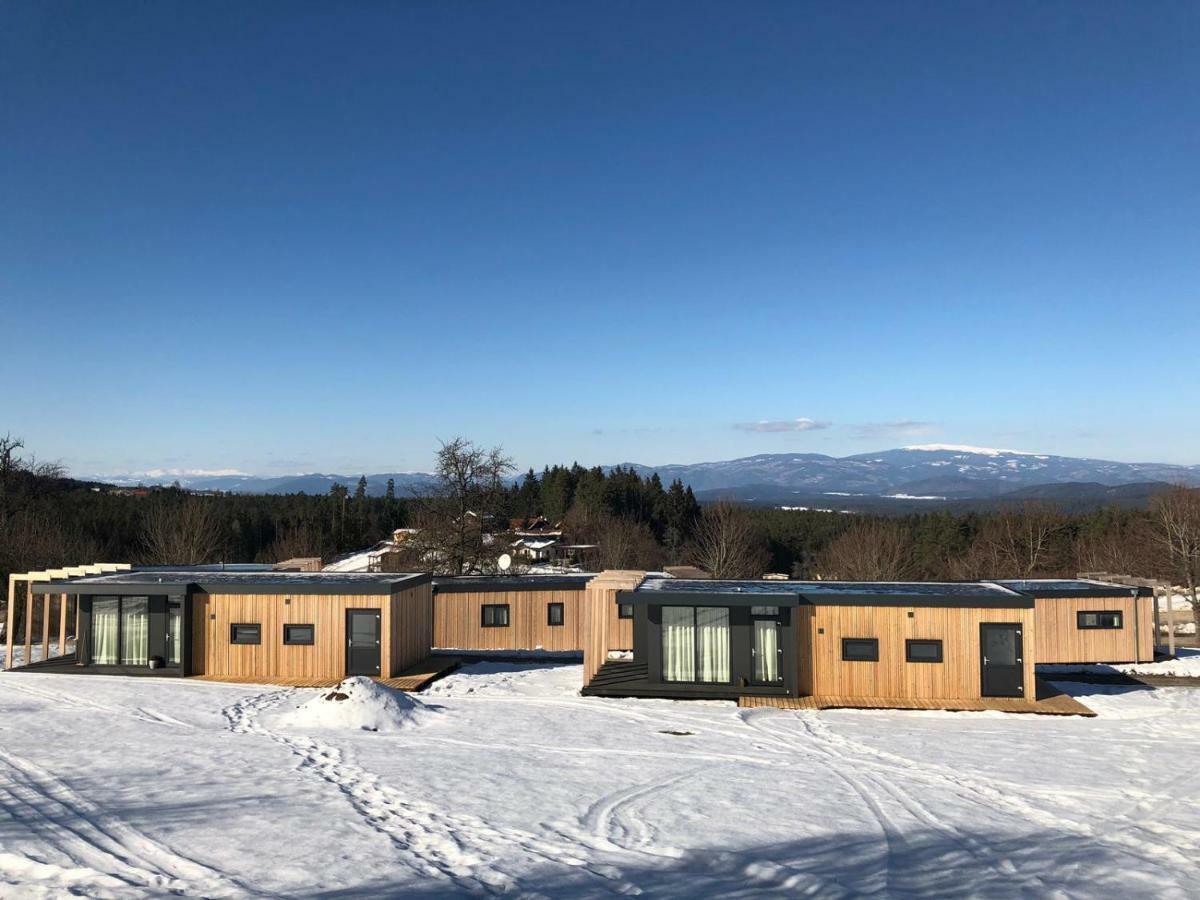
[1062, 588]
[469, 584]
[844, 593]
[160, 580]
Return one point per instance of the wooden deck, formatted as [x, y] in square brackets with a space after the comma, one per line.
[1050, 702]
[411, 679]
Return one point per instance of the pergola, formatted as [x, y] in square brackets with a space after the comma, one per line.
[29, 578]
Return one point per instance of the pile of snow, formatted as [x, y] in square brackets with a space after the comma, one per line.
[359, 703]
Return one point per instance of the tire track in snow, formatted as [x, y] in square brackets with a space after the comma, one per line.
[1122, 838]
[100, 842]
[73, 701]
[461, 848]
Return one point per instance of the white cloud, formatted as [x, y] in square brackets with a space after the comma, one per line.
[782, 425]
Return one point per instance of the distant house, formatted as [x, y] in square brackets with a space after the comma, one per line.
[535, 548]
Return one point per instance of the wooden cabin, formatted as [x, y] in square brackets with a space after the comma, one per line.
[1085, 621]
[731, 639]
[527, 613]
[246, 622]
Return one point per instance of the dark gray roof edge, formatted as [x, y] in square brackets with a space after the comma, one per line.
[149, 587]
[749, 598]
[490, 584]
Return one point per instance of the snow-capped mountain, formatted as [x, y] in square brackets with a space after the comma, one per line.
[918, 473]
[924, 471]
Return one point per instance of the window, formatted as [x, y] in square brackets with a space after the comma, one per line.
[923, 651]
[495, 615]
[625, 611]
[243, 633]
[860, 649]
[554, 614]
[1099, 619]
[298, 634]
[174, 634]
[695, 644]
[105, 619]
[772, 611]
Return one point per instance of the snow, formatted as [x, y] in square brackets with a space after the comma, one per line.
[966, 448]
[117, 787]
[358, 703]
[914, 497]
[1186, 665]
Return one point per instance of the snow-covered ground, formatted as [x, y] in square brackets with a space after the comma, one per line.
[133, 787]
[35, 651]
[1186, 665]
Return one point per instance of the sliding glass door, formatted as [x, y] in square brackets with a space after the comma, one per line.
[120, 631]
[105, 633]
[695, 644]
[174, 634]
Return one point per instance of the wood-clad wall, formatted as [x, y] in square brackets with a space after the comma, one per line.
[957, 676]
[458, 620]
[1060, 640]
[213, 654]
[601, 628]
[411, 629]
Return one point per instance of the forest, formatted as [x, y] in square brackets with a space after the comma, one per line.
[48, 519]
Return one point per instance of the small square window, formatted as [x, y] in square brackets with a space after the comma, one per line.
[922, 651]
[495, 615]
[1099, 619]
[625, 611]
[554, 614]
[298, 634]
[245, 633]
[860, 649]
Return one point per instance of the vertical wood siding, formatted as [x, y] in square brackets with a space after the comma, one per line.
[213, 654]
[602, 630]
[957, 676]
[458, 618]
[411, 628]
[1060, 640]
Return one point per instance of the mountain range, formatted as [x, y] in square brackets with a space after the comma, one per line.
[900, 479]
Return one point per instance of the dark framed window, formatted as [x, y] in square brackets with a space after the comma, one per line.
[554, 613]
[299, 634]
[1107, 618]
[625, 611]
[245, 633]
[860, 649]
[923, 651]
[495, 615]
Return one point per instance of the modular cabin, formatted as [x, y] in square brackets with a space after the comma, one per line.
[1085, 621]
[737, 639]
[245, 623]
[526, 613]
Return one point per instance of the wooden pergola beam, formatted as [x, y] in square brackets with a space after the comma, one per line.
[65, 573]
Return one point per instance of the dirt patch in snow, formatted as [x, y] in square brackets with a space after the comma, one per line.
[361, 704]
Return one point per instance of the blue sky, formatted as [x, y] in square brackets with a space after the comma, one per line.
[299, 236]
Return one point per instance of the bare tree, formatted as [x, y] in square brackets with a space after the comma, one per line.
[1127, 547]
[1178, 514]
[297, 541]
[456, 519]
[184, 534]
[869, 551]
[726, 543]
[1023, 541]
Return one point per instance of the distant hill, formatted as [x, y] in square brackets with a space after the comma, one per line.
[902, 480]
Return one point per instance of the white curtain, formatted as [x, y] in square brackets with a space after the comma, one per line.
[104, 631]
[175, 636]
[766, 651]
[712, 632]
[678, 643]
[135, 631]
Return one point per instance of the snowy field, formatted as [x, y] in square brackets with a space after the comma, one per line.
[503, 780]
[1185, 665]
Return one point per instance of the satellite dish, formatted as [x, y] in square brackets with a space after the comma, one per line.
[504, 563]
